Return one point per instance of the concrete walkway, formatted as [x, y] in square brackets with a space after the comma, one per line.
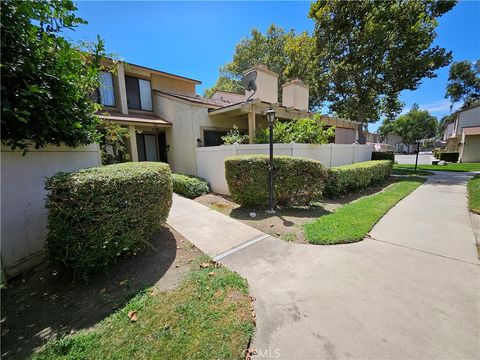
[409, 292]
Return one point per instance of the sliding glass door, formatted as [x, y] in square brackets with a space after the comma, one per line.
[147, 147]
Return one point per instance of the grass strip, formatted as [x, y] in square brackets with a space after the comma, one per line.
[208, 316]
[474, 194]
[353, 221]
[411, 172]
[459, 167]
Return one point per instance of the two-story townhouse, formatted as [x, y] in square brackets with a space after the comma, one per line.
[167, 120]
[463, 135]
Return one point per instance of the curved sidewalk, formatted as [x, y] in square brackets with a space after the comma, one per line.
[409, 292]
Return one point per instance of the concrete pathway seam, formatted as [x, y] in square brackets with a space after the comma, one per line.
[426, 252]
[240, 247]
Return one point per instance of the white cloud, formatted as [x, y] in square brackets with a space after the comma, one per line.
[440, 107]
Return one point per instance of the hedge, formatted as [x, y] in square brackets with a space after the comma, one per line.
[448, 156]
[99, 214]
[382, 155]
[348, 178]
[189, 186]
[298, 181]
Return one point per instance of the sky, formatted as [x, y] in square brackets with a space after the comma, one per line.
[194, 39]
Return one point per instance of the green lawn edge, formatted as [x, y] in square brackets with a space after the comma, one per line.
[473, 188]
[353, 221]
[411, 172]
[208, 316]
[456, 167]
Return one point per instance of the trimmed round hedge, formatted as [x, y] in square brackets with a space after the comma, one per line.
[298, 181]
[99, 214]
[189, 186]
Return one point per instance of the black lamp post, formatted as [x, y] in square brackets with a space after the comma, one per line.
[271, 119]
[417, 151]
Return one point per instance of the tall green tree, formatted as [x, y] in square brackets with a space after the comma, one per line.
[46, 81]
[372, 50]
[464, 83]
[414, 125]
[289, 54]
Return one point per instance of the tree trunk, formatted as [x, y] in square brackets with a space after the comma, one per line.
[361, 135]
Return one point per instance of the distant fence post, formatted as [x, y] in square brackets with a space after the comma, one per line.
[331, 156]
[292, 144]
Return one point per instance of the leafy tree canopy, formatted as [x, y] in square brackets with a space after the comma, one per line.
[46, 82]
[464, 83]
[289, 54]
[372, 50]
[303, 130]
[415, 125]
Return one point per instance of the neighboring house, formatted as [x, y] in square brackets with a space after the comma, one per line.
[168, 120]
[396, 142]
[463, 135]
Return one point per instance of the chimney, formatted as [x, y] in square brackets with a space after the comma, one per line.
[267, 85]
[295, 94]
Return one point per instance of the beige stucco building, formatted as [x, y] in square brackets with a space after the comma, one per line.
[168, 120]
[463, 135]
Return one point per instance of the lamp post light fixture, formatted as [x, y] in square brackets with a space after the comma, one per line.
[417, 151]
[271, 119]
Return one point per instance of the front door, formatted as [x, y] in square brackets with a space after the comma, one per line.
[162, 147]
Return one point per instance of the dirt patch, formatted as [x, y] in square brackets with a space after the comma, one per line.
[286, 224]
[42, 304]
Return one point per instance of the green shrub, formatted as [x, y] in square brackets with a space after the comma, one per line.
[298, 181]
[448, 156]
[189, 186]
[348, 178]
[301, 131]
[382, 155]
[98, 214]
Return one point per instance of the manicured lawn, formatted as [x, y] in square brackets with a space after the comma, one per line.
[353, 221]
[209, 316]
[450, 167]
[474, 194]
[411, 172]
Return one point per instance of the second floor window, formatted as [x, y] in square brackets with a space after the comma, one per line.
[139, 93]
[105, 94]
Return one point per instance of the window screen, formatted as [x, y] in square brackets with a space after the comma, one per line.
[105, 91]
[145, 94]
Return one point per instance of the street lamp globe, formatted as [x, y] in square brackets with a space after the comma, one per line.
[270, 116]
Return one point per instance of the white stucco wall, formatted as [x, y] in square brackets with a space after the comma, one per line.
[188, 120]
[211, 160]
[24, 217]
[470, 151]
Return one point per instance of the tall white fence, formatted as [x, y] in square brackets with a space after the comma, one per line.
[24, 217]
[210, 160]
[423, 159]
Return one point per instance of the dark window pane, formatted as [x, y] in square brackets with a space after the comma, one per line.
[141, 148]
[133, 93]
[213, 138]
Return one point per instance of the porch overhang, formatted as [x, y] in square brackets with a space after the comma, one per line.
[135, 119]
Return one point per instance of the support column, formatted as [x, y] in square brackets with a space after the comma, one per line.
[133, 143]
[251, 126]
[122, 89]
